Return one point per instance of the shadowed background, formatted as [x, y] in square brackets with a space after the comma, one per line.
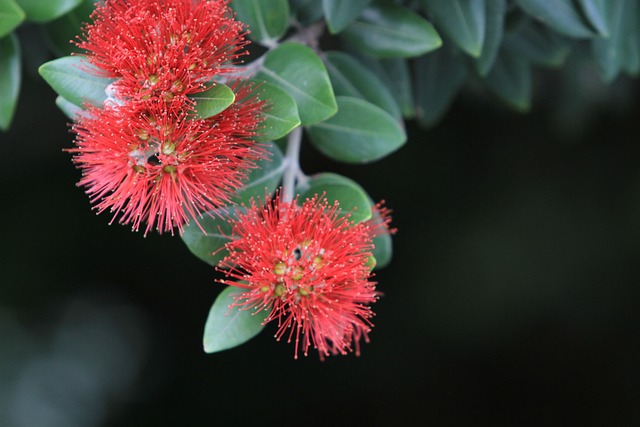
[511, 299]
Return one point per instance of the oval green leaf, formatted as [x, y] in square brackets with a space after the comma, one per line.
[10, 16]
[353, 200]
[339, 13]
[46, 10]
[462, 20]
[9, 78]
[561, 15]
[538, 44]
[61, 31]
[227, 328]
[350, 78]
[359, 133]
[280, 114]
[494, 30]
[390, 30]
[297, 70]
[267, 22]
[213, 101]
[69, 109]
[596, 12]
[510, 80]
[264, 179]
[206, 237]
[75, 79]
[609, 53]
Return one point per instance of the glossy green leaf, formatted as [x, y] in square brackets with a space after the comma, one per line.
[561, 15]
[359, 133]
[510, 80]
[390, 30]
[306, 12]
[267, 21]
[597, 13]
[227, 328]
[9, 78]
[297, 70]
[439, 76]
[10, 16]
[351, 78]
[264, 179]
[609, 53]
[61, 31]
[340, 13]
[280, 114]
[206, 237]
[494, 30]
[394, 72]
[69, 109]
[538, 44]
[75, 79]
[46, 10]
[631, 45]
[463, 21]
[213, 101]
[350, 195]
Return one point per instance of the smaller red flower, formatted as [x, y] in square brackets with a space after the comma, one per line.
[310, 267]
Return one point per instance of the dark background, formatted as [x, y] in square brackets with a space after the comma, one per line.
[512, 298]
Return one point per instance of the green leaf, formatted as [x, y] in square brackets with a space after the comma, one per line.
[69, 109]
[75, 79]
[389, 30]
[297, 70]
[10, 16]
[359, 133]
[560, 15]
[267, 22]
[206, 237]
[280, 114]
[227, 328]
[339, 13]
[9, 78]
[462, 20]
[350, 78]
[46, 10]
[61, 31]
[494, 29]
[631, 56]
[213, 101]
[609, 53]
[538, 44]
[596, 12]
[350, 195]
[306, 12]
[265, 178]
[439, 77]
[510, 80]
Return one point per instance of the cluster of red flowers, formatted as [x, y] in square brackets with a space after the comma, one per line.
[309, 266]
[144, 154]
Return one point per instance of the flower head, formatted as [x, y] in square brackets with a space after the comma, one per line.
[310, 267]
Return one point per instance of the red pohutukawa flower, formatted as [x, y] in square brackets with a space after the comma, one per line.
[145, 155]
[309, 266]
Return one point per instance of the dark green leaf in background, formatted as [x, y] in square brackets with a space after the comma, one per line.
[494, 29]
[609, 53]
[10, 16]
[463, 21]
[538, 44]
[510, 80]
[75, 79]
[597, 13]
[267, 21]
[340, 13]
[9, 78]
[351, 196]
[359, 133]
[61, 31]
[297, 70]
[439, 76]
[631, 45]
[350, 78]
[306, 12]
[227, 328]
[280, 113]
[213, 101]
[46, 10]
[561, 15]
[208, 245]
[390, 30]
[264, 179]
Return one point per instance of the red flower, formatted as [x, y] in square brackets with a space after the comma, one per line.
[310, 267]
[146, 156]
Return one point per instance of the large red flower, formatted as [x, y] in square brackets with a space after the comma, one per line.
[145, 155]
[309, 266]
